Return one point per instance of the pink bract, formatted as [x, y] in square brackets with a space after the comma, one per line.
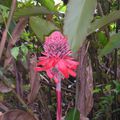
[57, 61]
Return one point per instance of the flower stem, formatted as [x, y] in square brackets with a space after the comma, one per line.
[58, 93]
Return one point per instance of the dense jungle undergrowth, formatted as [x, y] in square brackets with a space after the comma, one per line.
[92, 29]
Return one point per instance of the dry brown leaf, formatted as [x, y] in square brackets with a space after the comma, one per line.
[17, 115]
[82, 117]
[4, 88]
[34, 80]
[84, 86]
[2, 106]
[89, 88]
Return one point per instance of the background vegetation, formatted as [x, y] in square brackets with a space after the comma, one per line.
[92, 28]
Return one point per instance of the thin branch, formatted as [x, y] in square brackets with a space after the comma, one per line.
[8, 84]
[102, 14]
[15, 36]
[53, 86]
[4, 36]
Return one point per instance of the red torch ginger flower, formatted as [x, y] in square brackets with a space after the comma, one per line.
[57, 61]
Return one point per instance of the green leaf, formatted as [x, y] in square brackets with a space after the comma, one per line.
[4, 11]
[1, 19]
[102, 38]
[6, 2]
[73, 114]
[111, 45]
[30, 11]
[25, 35]
[62, 9]
[49, 4]
[105, 20]
[15, 52]
[24, 49]
[41, 27]
[77, 20]
[96, 90]
[117, 86]
[108, 87]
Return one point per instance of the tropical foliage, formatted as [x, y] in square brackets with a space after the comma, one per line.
[92, 30]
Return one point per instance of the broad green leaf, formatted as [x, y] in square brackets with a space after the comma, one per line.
[24, 49]
[41, 27]
[49, 4]
[6, 3]
[117, 86]
[30, 11]
[105, 20]
[4, 11]
[15, 52]
[111, 45]
[73, 114]
[1, 19]
[102, 38]
[62, 9]
[77, 20]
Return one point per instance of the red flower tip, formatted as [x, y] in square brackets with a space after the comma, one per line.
[57, 61]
